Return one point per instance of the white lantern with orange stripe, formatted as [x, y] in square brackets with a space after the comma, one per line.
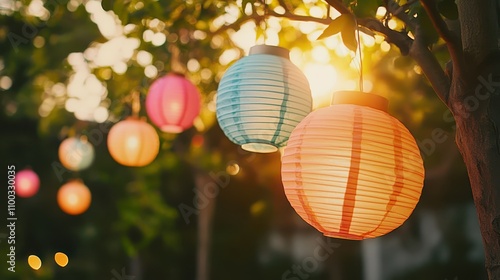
[352, 170]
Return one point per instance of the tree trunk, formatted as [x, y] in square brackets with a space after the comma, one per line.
[474, 100]
[205, 219]
[478, 122]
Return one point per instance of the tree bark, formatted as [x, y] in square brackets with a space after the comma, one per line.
[475, 103]
[478, 141]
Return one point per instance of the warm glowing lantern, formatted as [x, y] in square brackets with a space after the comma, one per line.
[172, 103]
[133, 142]
[352, 170]
[261, 98]
[27, 183]
[76, 153]
[74, 197]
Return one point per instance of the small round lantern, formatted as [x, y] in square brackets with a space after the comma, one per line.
[133, 142]
[27, 183]
[352, 170]
[173, 103]
[74, 197]
[261, 98]
[76, 153]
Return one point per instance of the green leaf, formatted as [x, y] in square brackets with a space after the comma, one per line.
[337, 25]
[349, 38]
[207, 3]
[366, 8]
[259, 32]
[107, 5]
[448, 8]
[121, 10]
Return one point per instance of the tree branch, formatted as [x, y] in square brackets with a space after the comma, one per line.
[295, 17]
[399, 11]
[401, 40]
[430, 67]
[339, 6]
[421, 53]
[415, 48]
[404, 7]
[452, 41]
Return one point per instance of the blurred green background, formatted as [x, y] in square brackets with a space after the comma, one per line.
[67, 67]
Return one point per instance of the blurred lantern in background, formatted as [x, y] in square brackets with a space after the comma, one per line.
[352, 170]
[74, 197]
[27, 183]
[261, 98]
[76, 153]
[173, 103]
[133, 142]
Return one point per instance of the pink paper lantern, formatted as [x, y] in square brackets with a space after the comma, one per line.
[27, 183]
[173, 103]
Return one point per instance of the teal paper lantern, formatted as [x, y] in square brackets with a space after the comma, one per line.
[261, 98]
[76, 153]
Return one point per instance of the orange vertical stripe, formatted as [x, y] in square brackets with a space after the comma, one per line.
[352, 180]
[398, 172]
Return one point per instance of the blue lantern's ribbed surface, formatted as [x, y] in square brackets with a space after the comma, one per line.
[261, 98]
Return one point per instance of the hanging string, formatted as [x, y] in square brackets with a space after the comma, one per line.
[136, 103]
[360, 56]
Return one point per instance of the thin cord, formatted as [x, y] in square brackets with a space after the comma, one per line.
[136, 103]
[360, 57]
[266, 14]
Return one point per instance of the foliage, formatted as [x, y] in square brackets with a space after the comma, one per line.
[134, 213]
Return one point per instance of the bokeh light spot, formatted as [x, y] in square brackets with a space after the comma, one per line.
[61, 259]
[34, 262]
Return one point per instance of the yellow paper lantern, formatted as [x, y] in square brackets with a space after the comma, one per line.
[74, 197]
[352, 170]
[133, 142]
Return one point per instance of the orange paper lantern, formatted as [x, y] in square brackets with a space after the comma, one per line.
[74, 197]
[133, 142]
[352, 170]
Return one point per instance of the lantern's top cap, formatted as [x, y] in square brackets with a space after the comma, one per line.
[272, 50]
[361, 98]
